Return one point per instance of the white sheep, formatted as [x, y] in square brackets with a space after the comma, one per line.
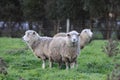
[65, 49]
[38, 44]
[85, 36]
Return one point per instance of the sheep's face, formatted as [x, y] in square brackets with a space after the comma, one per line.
[88, 32]
[73, 37]
[30, 35]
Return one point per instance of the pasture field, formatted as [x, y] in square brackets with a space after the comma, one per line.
[93, 64]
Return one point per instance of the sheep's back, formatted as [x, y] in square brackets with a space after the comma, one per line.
[60, 35]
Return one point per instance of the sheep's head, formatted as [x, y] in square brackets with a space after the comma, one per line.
[87, 32]
[30, 35]
[73, 37]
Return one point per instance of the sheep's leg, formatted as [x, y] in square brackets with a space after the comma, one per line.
[67, 65]
[50, 63]
[72, 65]
[60, 65]
[43, 64]
[76, 64]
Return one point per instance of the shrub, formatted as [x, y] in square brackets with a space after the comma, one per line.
[114, 35]
[112, 50]
[97, 35]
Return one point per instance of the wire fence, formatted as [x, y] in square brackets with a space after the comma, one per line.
[101, 31]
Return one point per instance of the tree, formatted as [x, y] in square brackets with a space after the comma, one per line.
[101, 10]
[10, 14]
[60, 10]
[33, 9]
[34, 12]
[10, 10]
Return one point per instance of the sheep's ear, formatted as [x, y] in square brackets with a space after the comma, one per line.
[34, 33]
[91, 30]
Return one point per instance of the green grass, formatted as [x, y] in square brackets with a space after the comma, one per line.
[93, 64]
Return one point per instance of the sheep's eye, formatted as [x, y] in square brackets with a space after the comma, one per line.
[68, 35]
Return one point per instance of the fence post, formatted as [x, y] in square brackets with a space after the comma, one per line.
[68, 25]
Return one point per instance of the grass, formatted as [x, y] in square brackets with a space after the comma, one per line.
[93, 64]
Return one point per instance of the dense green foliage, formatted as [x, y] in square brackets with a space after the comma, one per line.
[43, 15]
[33, 9]
[93, 64]
[10, 10]
[56, 9]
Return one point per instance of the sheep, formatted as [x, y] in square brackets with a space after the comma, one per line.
[39, 45]
[85, 37]
[65, 49]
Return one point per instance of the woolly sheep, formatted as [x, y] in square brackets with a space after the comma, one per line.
[65, 49]
[39, 45]
[85, 37]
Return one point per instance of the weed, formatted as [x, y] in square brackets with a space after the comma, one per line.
[112, 50]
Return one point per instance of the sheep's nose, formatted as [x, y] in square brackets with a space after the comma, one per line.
[74, 40]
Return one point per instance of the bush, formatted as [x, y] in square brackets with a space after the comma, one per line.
[114, 35]
[97, 35]
[112, 50]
